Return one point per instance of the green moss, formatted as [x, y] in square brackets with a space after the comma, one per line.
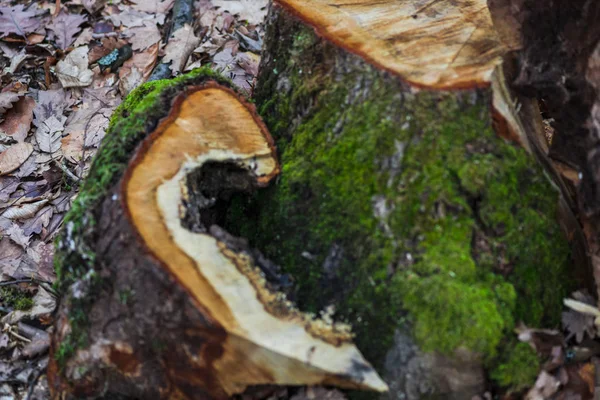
[518, 369]
[15, 298]
[380, 202]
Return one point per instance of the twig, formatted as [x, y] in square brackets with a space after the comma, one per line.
[67, 172]
[8, 283]
[32, 384]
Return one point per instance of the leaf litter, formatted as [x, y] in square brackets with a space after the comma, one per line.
[64, 68]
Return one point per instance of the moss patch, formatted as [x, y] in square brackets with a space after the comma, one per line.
[15, 298]
[402, 208]
[519, 368]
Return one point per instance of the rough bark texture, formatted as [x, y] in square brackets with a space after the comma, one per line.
[404, 211]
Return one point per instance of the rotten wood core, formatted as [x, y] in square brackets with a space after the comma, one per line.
[219, 325]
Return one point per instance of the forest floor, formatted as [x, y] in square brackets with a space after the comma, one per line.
[64, 67]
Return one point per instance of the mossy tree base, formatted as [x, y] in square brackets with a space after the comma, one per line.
[403, 210]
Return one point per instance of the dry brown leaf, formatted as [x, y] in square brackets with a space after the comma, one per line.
[145, 36]
[72, 146]
[93, 115]
[8, 185]
[24, 211]
[137, 69]
[10, 257]
[153, 6]
[19, 21]
[73, 70]
[7, 99]
[17, 235]
[96, 129]
[84, 37]
[65, 27]
[430, 43]
[179, 48]
[16, 62]
[93, 5]
[130, 18]
[39, 221]
[18, 119]
[50, 102]
[14, 156]
[26, 169]
[49, 133]
[253, 11]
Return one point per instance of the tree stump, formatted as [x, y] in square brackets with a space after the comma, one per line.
[159, 301]
[413, 203]
[408, 201]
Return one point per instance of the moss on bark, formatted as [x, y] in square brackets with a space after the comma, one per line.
[402, 208]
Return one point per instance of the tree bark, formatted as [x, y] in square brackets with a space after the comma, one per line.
[402, 209]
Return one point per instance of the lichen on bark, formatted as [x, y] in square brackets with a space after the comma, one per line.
[400, 207]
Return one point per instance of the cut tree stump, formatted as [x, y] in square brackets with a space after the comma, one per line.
[415, 202]
[414, 197]
[159, 301]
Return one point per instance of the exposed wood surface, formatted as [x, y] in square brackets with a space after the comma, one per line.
[435, 44]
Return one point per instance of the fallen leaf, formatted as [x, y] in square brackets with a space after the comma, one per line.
[179, 48]
[73, 70]
[26, 169]
[43, 303]
[93, 5]
[18, 119]
[130, 18]
[145, 36]
[16, 62]
[578, 324]
[96, 130]
[253, 11]
[49, 133]
[7, 99]
[17, 235]
[84, 37]
[17, 20]
[49, 102]
[37, 222]
[545, 386]
[93, 115]
[10, 257]
[23, 211]
[39, 340]
[14, 156]
[153, 6]
[72, 146]
[8, 185]
[43, 256]
[9, 51]
[137, 69]
[65, 26]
